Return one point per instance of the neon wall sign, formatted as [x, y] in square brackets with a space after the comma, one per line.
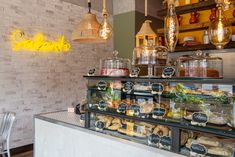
[38, 43]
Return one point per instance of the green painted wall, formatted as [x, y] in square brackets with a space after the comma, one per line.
[126, 26]
[124, 33]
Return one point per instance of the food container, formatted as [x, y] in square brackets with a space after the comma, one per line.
[115, 66]
[150, 55]
[199, 65]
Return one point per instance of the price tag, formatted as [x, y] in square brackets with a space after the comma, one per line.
[136, 109]
[168, 72]
[101, 85]
[135, 72]
[154, 139]
[198, 149]
[166, 141]
[199, 118]
[91, 72]
[102, 106]
[128, 87]
[157, 88]
[122, 108]
[158, 112]
[99, 125]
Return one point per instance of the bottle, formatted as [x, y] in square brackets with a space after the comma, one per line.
[206, 39]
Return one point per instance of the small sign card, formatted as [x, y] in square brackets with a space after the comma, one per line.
[128, 87]
[198, 149]
[91, 72]
[158, 113]
[157, 88]
[199, 118]
[102, 106]
[168, 72]
[154, 139]
[99, 125]
[122, 108]
[101, 85]
[135, 72]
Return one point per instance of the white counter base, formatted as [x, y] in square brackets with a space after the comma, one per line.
[57, 140]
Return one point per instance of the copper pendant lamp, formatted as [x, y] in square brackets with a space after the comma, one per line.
[87, 31]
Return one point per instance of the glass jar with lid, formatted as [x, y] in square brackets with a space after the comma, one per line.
[147, 57]
[200, 65]
[115, 66]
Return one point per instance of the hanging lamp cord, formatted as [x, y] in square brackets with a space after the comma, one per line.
[89, 7]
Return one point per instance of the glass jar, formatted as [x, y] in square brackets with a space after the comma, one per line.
[115, 66]
[199, 65]
[147, 57]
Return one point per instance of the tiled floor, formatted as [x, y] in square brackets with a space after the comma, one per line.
[26, 154]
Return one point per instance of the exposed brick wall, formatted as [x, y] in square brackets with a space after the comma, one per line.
[32, 83]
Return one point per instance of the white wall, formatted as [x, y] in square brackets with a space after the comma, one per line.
[32, 83]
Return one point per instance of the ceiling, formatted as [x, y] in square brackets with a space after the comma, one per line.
[95, 4]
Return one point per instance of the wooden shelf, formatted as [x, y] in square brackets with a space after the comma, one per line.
[194, 27]
[181, 48]
[190, 8]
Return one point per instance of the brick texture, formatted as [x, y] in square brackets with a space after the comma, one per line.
[33, 83]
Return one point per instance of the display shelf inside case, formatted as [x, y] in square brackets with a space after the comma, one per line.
[161, 80]
[183, 124]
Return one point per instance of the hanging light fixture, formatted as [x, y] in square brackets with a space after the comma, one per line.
[171, 26]
[87, 31]
[220, 30]
[146, 32]
[106, 29]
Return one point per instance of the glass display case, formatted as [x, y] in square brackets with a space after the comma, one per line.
[194, 117]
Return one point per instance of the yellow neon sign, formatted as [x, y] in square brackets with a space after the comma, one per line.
[39, 44]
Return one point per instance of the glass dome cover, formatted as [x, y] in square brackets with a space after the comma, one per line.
[114, 66]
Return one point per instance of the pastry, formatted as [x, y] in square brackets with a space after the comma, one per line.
[219, 151]
[209, 141]
[161, 130]
[114, 127]
[116, 121]
[184, 137]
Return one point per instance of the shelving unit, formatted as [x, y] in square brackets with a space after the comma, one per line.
[193, 27]
[190, 8]
[181, 125]
[181, 48]
[175, 125]
[161, 80]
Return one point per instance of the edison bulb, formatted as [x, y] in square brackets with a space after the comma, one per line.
[171, 28]
[106, 30]
[220, 30]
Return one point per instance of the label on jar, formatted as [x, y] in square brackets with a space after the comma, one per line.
[157, 88]
[159, 112]
[154, 139]
[91, 72]
[122, 108]
[102, 105]
[198, 149]
[128, 87]
[135, 72]
[101, 85]
[166, 141]
[168, 72]
[99, 125]
[200, 118]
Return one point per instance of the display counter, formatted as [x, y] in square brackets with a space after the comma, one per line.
[61, 134]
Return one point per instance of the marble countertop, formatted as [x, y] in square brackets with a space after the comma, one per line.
[73, 121]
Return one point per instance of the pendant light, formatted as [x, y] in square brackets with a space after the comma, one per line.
[106, 29]
[146, 33]
[87, 31]
[171, 27]
[220, 30]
